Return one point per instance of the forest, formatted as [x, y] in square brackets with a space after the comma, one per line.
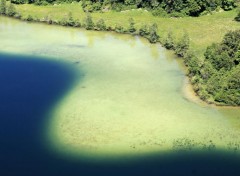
[176, 8]
[216, 78]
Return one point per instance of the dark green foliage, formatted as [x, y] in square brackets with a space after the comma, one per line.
[119, 29]
[91, 6]
[144, 31]
[237, 18]
[226, 54]
[71, 22]
[159, 12]
[193, 63]
[131, 28]
[228, 4]
[40, 2]
[89, 25]
[182, 46]
[3, 7]
[153, 36]
[169, 42]
[18, 15]
[29, 18]
[100, 25]
[19, 1]
[174, 8]
[219, 75]
[11, 10]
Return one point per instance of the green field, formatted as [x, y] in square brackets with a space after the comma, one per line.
[202, 30]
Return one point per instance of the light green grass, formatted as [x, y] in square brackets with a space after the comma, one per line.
[202, 30]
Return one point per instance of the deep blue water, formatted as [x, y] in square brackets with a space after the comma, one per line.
[29, 88]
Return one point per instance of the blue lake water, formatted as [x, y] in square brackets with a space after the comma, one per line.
[29, 88]
[89, 103]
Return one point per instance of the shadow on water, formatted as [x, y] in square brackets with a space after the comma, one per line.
[29, 88]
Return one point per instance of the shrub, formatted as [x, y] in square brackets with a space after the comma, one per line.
[144, 31]
[11, 10]
[18, 1]
[89, 25]
[169, 42]
[237, 18]
[29, 18]
[182, 46]
[153, 36]
[18, 15]
[3, 7]
[119, 29]
[159, 12]
[131, 28]
[100, 25]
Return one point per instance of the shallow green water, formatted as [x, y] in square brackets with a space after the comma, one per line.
[130, 101]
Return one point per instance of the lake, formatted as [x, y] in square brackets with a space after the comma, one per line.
[76, 102]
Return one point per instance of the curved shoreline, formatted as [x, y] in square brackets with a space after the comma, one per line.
[110, 29]
[129, 100]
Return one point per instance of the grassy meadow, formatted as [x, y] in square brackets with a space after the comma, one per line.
[202, 30]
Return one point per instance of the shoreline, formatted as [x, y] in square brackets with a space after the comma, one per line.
[187, 89]
[125, 102]
[190, 95]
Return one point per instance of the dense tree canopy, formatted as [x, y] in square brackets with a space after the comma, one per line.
[218, 77]
[158, 7]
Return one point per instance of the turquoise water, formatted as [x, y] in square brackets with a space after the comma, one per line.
[101, 103]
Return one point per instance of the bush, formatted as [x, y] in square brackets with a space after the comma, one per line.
[182, 46]
[100, 25]
[237, 18]
[70, 21]
[18, 1]
[3, 7]
[144, 31]
[29, 18]
[89, 25]
[159, 12]
[169, 42]
[131, 28]
[18, 15]
[119, 29]
[41, 3]
[11, 10]
[153, 36]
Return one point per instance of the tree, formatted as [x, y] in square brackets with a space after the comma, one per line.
[89, 25]
[3, 7]
[153, 36]
[183, 45]
[169, 42]
[11, 11]
[131, 28]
